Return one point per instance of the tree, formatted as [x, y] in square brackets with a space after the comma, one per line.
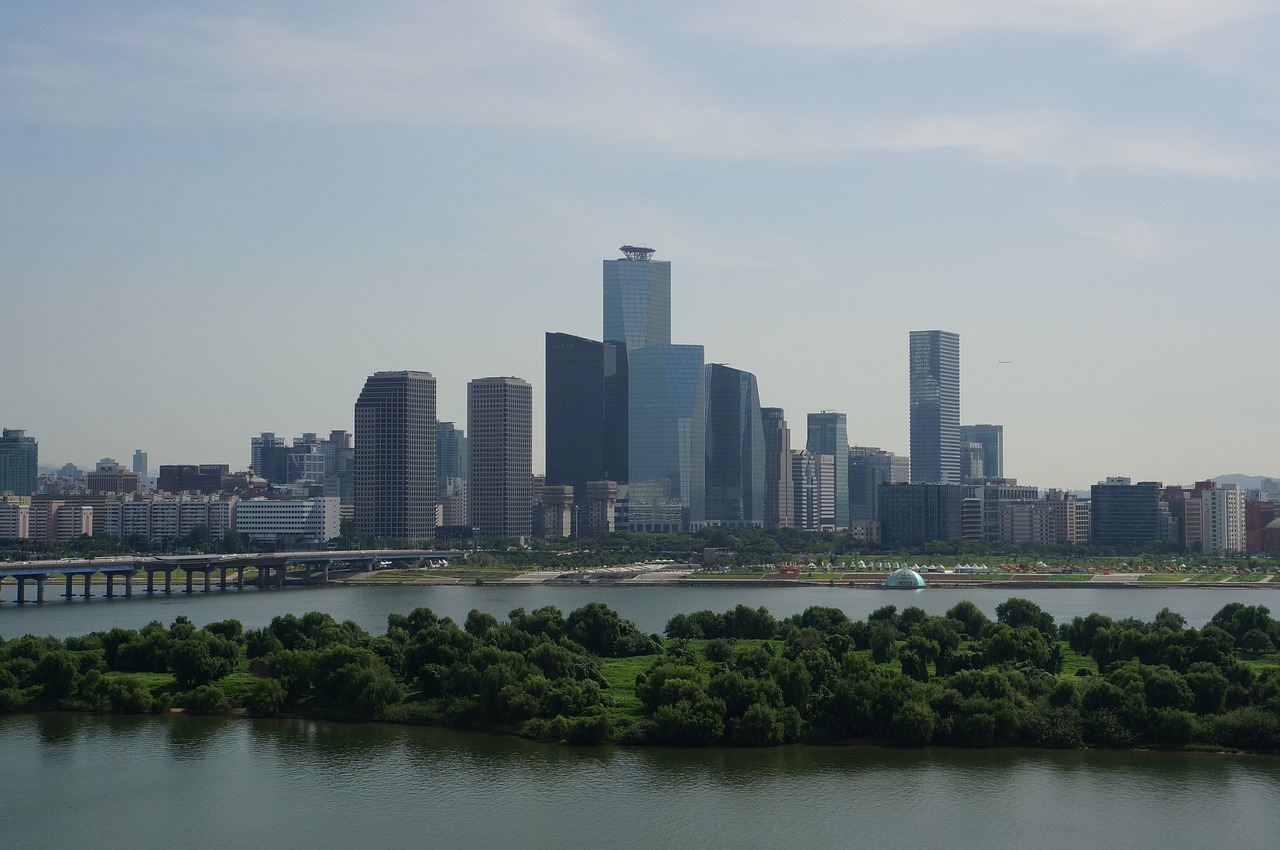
[970, 617]
[1017, 611]
[913, 724]
[884, 637]
[57, 672]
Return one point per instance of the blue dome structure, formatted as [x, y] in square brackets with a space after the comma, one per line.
[904, 578]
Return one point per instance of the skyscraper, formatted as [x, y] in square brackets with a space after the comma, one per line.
[586, 409]
[779, 500]
[451, 451]
[1222, 519]
[869, 467]
[395, 476]
[992, 439]
[666, 463]
[935, 407]
[735, 453]
[828, 435]
[140, 465]
[19, 461]
[637, 299]
[500, 455]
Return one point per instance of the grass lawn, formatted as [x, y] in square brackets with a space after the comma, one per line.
[1167, 577]
[1072, 660]
[1070, 577]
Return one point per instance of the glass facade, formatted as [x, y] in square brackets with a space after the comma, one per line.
[637, 302]
[779, 501]
[586, 426]
[869, 467]
[935, 407]
[911, 514]
[991, 437]
[19, 462]
[828, 435]
[395, 474]
[735, 451]
[1128, 513]
[451, 451]
[666, 454]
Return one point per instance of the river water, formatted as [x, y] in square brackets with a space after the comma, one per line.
[195, 782]
[648, 607]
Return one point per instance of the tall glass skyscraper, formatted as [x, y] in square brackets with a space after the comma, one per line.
[666, 454]
[395, 477]
[586, 412]
[828, 435]
[935, 407]
[734, 448]
[637, 299]
[779, 501]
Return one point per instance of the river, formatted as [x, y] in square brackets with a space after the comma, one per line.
[198, 782]
[649, 607]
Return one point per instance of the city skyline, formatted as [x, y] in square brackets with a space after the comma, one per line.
[1082, 190]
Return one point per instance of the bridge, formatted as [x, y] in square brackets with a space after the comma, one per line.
[272, 569]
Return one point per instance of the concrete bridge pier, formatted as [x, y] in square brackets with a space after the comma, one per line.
[206, 580]
[151, 581]
[111, 582]
[239, 578]
[40, 589]
[22, 587]
[88, 587]
[69, 592]
[280, 575]
[190, 573]
[168, 581]
[222, 578]
[128, 585]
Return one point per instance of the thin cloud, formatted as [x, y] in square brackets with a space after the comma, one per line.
[557, 68]
[851, 24]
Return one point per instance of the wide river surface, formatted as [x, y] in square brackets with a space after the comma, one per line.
[197, 782]
[649, 607]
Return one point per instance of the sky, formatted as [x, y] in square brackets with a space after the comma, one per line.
[218, 219]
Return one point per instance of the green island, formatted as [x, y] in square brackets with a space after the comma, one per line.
[741, 678]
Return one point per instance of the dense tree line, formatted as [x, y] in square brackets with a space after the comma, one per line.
[741, 677]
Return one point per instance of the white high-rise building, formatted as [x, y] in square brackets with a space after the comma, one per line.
[1222, 519]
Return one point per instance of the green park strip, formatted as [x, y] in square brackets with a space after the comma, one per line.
[737, 678]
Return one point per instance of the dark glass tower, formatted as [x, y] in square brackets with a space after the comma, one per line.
[828, 435]
[935, 407]
[395, 477]
[991, 437]
[586, 409]
[779, 503]
[734, 448]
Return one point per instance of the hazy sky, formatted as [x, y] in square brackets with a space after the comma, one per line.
[217, 219]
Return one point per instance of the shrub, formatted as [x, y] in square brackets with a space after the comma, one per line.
[207, 699]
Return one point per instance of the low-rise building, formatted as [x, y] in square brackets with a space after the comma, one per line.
[310, 522]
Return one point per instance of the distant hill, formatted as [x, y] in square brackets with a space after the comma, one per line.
[1246, 482]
